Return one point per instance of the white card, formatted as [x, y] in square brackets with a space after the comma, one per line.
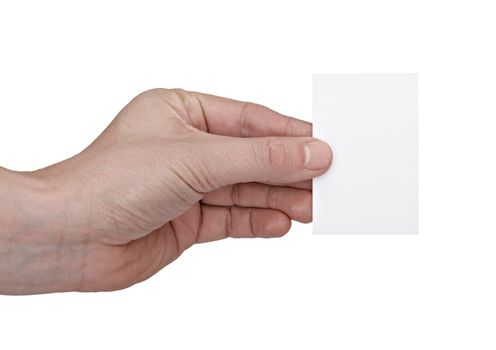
[370, 121]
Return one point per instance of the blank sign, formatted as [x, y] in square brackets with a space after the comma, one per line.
[370, 121]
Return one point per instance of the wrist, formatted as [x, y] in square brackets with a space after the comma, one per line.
[32, 240]
[21, 198]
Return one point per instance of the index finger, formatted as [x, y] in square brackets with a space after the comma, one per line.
[224, 116]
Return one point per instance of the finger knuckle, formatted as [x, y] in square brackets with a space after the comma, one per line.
[275, 154]
[153, 93]
[270, 199]
[160, 94]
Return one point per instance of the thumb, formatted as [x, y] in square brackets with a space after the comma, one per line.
[230, 160]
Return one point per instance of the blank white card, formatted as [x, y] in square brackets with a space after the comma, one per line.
[370, 121]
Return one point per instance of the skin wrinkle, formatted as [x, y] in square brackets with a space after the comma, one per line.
[287, 128]
[118, 232]
[201, 112]
[176, 241]
[139, 223]
[199, 226]
[135, 265]
[244, 120]
[133, 255]
[206, 175]
[268, 198]
[158, 238]
[228, 223]
[191, 100]
[164, 253]
[182, 99]
[235, 194]
[148, 270]
[177, 109]
[195, 191]
[184, 193]
[251, 219]
[277, 154]
[197, 103]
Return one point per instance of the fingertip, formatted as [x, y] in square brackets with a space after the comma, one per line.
[302, 208]
[273, 223]
[318, 155]
[298, 127]
[281, 225]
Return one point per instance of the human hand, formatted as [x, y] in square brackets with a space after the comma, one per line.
[174, 168]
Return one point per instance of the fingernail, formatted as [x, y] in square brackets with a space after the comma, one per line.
[317, 155]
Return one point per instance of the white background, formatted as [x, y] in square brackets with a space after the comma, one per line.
[66, 70]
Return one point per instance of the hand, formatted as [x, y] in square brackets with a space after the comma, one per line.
[174, 168]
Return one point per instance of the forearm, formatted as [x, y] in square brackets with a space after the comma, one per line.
[33, 254]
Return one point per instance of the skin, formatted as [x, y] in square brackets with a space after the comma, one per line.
[174, 168]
